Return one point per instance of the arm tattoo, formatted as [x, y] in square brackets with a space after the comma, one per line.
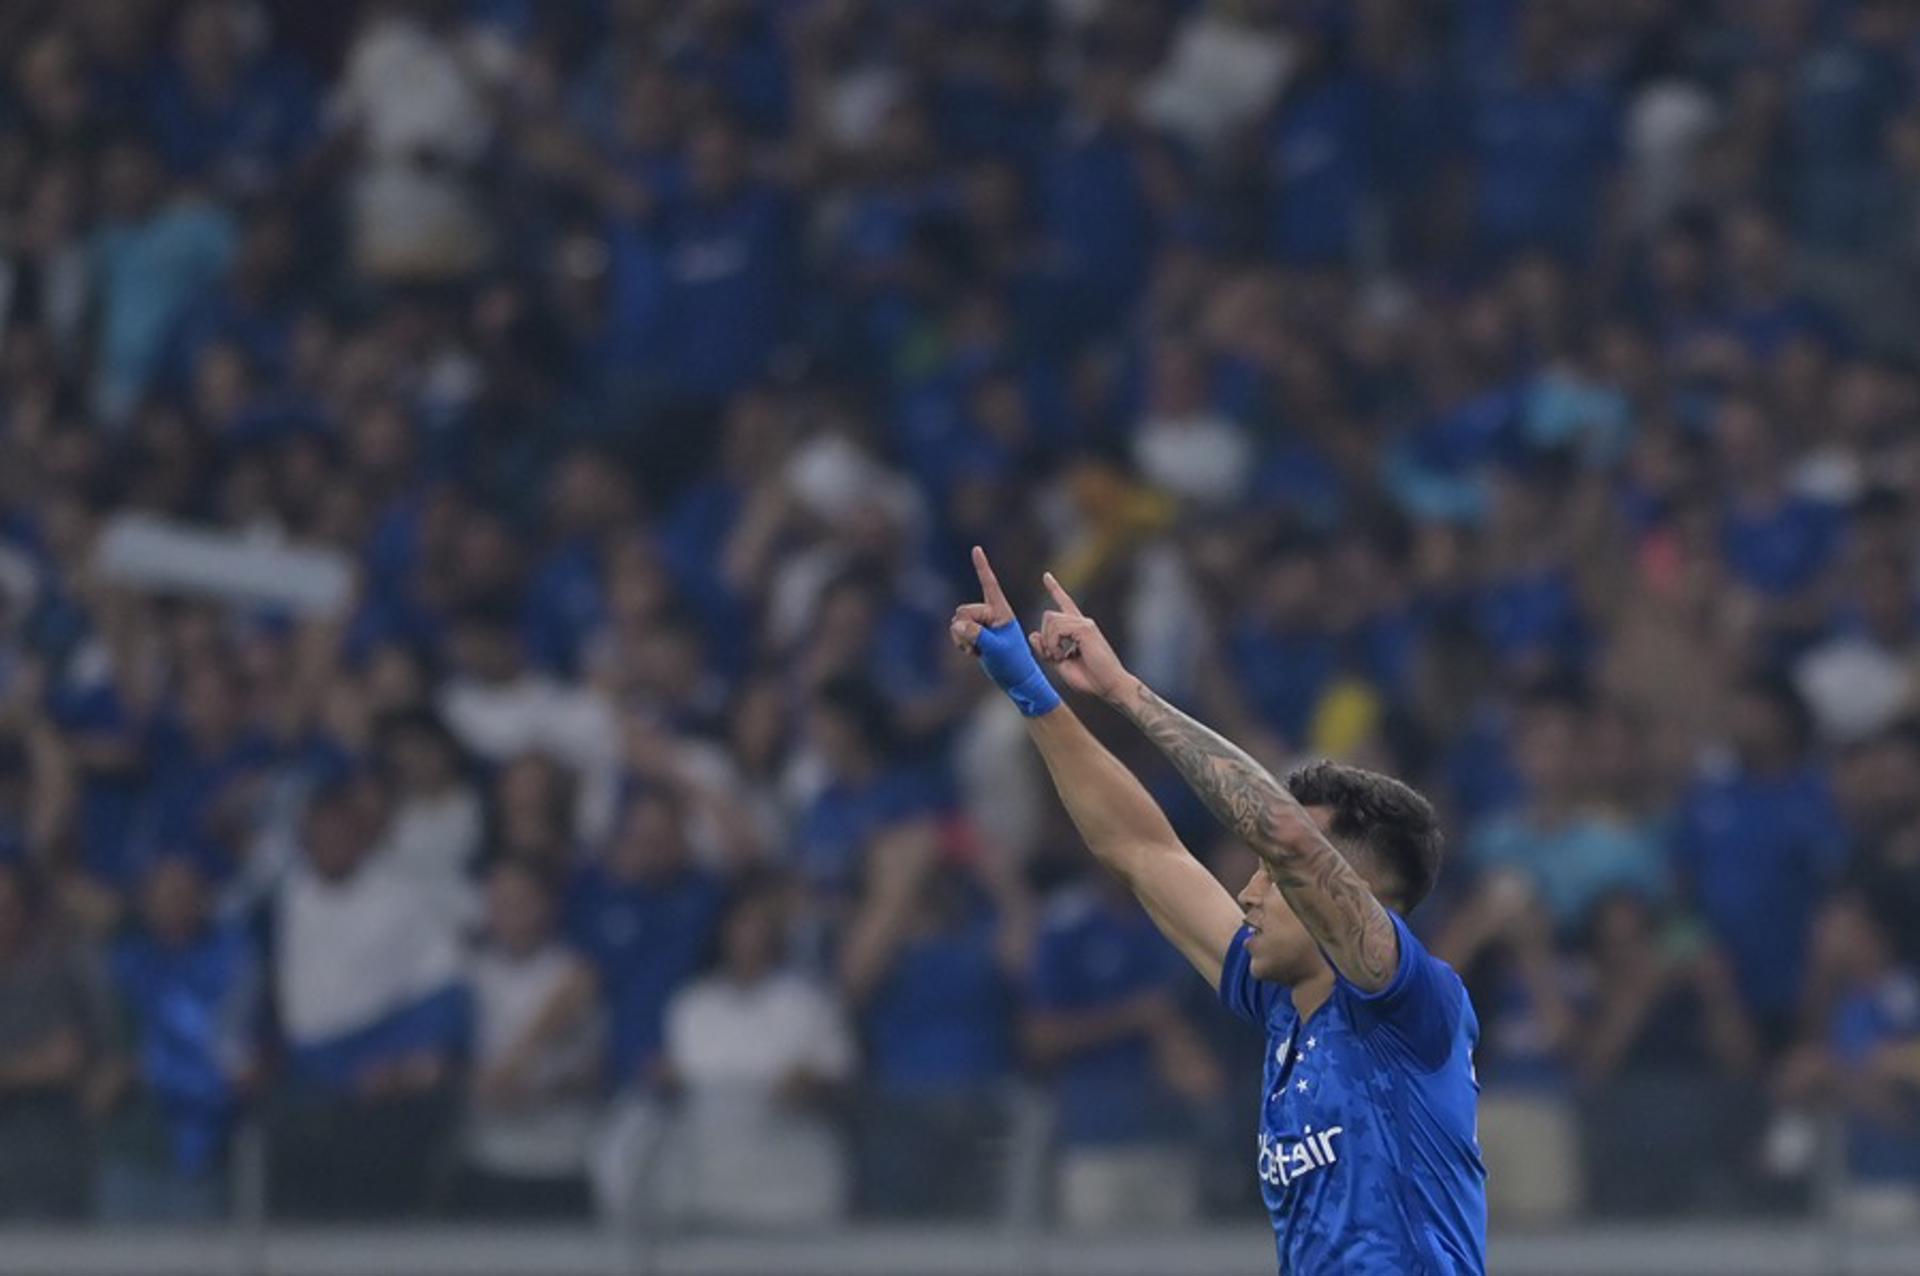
[1326, 891]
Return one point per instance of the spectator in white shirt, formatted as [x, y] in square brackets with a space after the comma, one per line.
[416, 97]
[530, 1108]
[499, 708]
[435, 827]
[758, 1053]
[1185, 445]
[368, 987]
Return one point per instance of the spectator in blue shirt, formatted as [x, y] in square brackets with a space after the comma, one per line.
[869, 795]
[208, 769]
[1755, 843]
[1571, 854]
[156, 250]
[728, 256]
[1320, 158]
[190, 990]
[226, 115]
[1865, 1051]
[1875, 1040]
[1774, 540]
[1283, 652]
[1545, 143]
[1840, 101]
[646, 917]
[930, 962]
[1093, 195]
[1761, 308]
[1102, 1021]
[871, 256]
[252, 310]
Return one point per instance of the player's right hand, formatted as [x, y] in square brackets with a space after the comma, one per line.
[987, 629]
[1072, 643]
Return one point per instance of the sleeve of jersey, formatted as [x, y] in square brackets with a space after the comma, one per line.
[1247, 997]
[1419, 1010]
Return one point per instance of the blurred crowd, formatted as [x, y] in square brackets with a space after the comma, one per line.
[1516, 396]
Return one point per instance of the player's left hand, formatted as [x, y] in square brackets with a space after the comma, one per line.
[1071, 641]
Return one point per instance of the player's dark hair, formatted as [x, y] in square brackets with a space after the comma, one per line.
[1378, 815]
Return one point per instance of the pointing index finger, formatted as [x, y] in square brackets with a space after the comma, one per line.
[1060, 595]
[996, 598]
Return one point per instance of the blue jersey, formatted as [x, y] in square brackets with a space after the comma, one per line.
[1368, 1157]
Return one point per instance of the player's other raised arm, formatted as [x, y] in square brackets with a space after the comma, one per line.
[1119, 820]
[1324, 890]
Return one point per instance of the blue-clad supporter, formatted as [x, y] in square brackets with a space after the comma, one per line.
[1874, 1037]
[1322, 156]
[1102, 1022]
[1545, 140]
[646, 917]
[155, 251]
[190, 989]
[226, 110]
[720, 536]
[254, 311]
[1863, 1055]
[208, 765]
[1755, 841]
[899, 192]
[1839, 104]
[931, 963]
[737, 52]
[729, 265]
[1559, 840]
[865, 795]
[1775, 540]
[570, 589]
[1284, 656]
[1761, 306]
[1527, 607]
[1096, 194]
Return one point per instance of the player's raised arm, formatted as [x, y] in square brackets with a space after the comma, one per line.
[1325, 891]
[1122, 825]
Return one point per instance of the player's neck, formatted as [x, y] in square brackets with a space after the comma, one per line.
[1311, 993]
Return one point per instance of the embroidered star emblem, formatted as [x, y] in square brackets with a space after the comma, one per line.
[1301, 1085]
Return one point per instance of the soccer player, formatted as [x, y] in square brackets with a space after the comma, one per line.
[1368, 1160]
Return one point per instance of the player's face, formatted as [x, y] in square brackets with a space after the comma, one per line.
[1279, 949]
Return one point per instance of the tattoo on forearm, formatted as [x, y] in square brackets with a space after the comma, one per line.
[1327, 892]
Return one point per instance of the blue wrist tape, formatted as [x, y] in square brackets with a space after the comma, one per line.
[1009, 662]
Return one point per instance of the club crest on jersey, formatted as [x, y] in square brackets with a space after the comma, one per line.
[1281, 1163]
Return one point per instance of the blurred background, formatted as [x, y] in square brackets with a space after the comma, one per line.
[483, 482]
